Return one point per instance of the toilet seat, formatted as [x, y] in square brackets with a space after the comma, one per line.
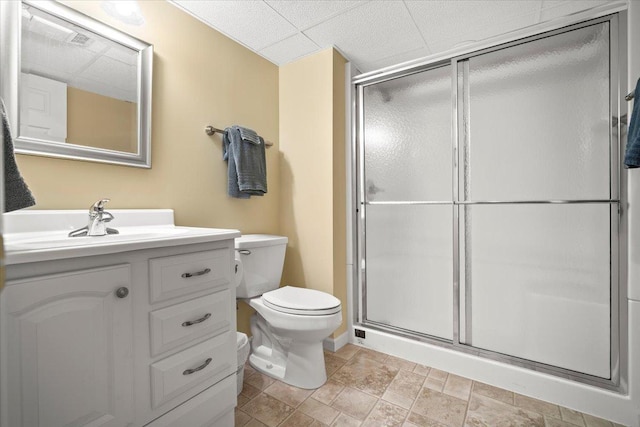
[301, 301]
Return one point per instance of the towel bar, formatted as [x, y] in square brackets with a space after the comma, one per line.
[210, 130]
[629, 96]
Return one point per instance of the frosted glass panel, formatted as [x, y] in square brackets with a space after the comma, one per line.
[407, 138]
[538, 279]
[539, 119]
[409, 268]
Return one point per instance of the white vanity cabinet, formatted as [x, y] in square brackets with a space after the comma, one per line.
[69, 349]
[136, 338]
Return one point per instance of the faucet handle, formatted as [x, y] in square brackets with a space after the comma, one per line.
[99, 205]
[107, 216]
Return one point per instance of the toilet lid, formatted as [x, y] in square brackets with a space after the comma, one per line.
[301, 301]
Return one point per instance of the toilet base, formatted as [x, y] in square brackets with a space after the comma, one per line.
[289, 347]
[303, 368]
[266, 367]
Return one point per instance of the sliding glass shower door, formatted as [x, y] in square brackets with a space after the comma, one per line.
[408, 202]
[489, 197]
[537, 198]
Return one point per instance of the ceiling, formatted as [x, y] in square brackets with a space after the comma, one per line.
[371, 34]
[62, 51]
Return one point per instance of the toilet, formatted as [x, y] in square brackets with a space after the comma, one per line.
[290, 323]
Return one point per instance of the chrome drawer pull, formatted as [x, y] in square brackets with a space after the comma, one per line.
[200, 320]
[244, 251]
[199, 368]
[197, 273]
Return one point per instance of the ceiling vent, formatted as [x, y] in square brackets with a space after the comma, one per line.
[79, 39]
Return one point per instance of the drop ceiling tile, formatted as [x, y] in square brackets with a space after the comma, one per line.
[123, 54]
[304, 14]
[48, 57]
[252, 23]
[105, 69]
[96, 44]
[498, 28]
[104, 89]
[442, 21]
[289, 49]
[482, 33]
[555, 9]
[393, 60]
[375, 30]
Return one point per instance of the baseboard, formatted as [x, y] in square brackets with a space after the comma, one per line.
[335, 344]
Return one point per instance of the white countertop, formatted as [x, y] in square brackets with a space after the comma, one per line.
[33, 236]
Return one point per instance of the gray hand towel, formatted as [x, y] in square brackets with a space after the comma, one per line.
[248, 135]
[247, 166]
[16, 193]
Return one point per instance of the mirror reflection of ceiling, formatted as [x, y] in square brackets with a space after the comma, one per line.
[62, 51]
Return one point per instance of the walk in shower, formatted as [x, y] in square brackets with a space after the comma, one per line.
[488, 200]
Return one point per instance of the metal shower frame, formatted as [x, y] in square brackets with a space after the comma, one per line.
[615, 14]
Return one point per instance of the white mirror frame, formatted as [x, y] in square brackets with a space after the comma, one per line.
[10, 44]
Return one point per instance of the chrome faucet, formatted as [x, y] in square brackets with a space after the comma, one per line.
[98, 217]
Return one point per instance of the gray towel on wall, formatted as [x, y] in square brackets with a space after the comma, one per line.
[16, 193]
[249, 135]
[247, 165]
[632, 154]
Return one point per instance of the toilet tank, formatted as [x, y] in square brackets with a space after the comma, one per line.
[262, 258]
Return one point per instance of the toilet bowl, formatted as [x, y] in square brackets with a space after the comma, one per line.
[290, 323]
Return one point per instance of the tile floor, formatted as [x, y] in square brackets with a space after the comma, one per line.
[371, 389]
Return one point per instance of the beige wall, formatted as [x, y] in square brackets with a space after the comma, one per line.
[339, 188]
[100, 121]
[200, 77]
[312, 165]
[301, 105]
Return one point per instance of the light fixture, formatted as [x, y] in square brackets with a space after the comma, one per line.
[52, 25]
[126, 11]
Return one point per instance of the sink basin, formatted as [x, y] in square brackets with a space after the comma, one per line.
[52, 240]
[32, 235]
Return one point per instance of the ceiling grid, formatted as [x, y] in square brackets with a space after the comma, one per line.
[371, 33]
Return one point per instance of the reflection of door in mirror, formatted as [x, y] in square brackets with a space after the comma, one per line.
[43, 108]
[77, 87]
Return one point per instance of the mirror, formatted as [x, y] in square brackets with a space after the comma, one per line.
[73, 87]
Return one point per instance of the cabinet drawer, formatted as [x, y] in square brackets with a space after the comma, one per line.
[185, 274]
[211, 408]
[195, 368]
[178, 324]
